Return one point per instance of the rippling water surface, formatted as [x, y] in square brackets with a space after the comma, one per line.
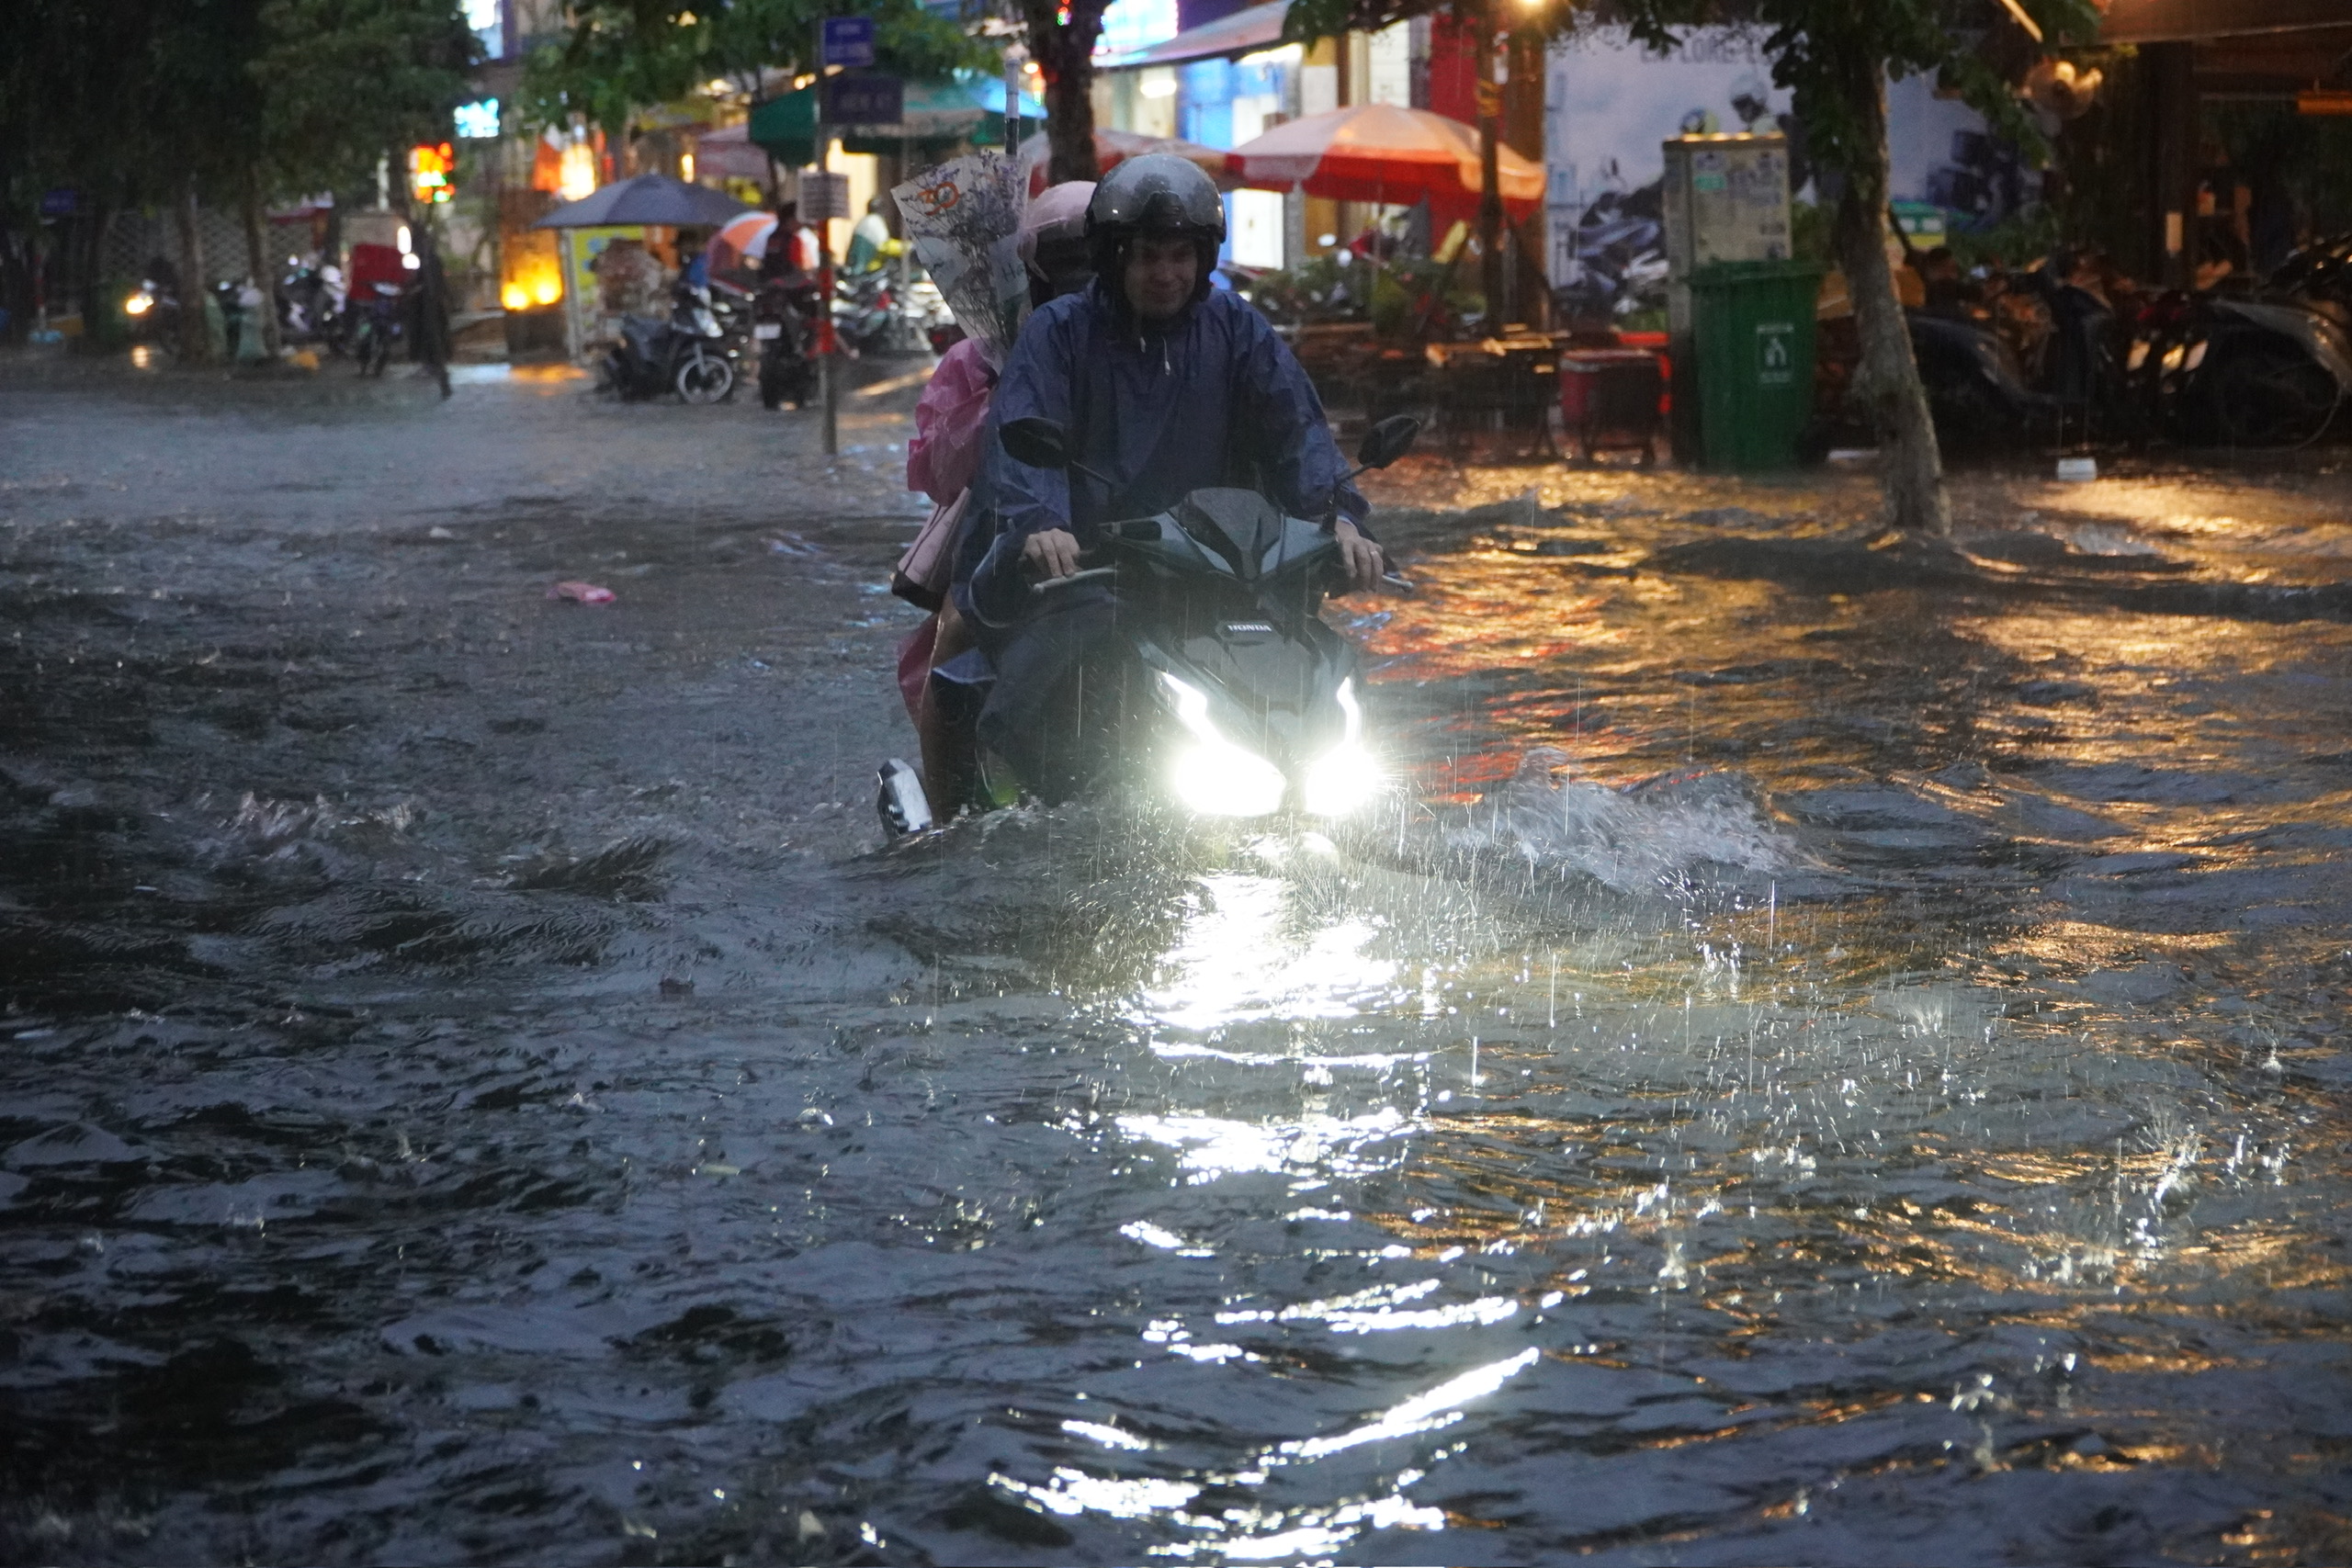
[1786, 1076]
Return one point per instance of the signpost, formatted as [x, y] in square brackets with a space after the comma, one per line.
[846, 41]
[864, 100]
[823, 196]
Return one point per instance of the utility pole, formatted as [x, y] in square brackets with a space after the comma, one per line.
[1013, 57]
[829, 393]
[1490, 199]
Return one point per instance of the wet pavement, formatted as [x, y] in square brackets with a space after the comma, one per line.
[1826, 1053]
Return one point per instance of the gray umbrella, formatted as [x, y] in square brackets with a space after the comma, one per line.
[648, 198]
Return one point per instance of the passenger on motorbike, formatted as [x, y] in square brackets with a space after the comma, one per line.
[1164, 388]
[951, 425]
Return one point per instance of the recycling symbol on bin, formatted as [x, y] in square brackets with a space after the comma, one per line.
[1775, 358]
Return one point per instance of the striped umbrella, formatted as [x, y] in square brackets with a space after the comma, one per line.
[1383, 152]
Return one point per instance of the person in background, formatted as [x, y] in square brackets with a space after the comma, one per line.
[791, 244]
[867, 240]
[695, 271]
[428, 304]
[1947, 293]
[628, 279]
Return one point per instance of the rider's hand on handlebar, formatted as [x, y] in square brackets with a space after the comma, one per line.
[1360, 556]
[1051, 553]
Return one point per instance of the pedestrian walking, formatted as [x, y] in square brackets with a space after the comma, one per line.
[429, 307]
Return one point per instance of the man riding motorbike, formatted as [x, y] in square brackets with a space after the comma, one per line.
[1164, 388]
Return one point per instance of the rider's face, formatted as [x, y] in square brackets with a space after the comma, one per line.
[1162, 271]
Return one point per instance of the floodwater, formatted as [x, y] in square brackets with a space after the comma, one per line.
[1789, 1073]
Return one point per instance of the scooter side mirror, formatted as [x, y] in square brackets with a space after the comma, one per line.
[1388, 440]
[1037, 441]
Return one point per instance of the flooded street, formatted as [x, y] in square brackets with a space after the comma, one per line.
[1822, 1054]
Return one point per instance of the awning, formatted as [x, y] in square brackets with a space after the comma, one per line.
[728, 154]
[1243, 32]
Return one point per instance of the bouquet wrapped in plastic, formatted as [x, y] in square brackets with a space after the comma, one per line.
[963, 217]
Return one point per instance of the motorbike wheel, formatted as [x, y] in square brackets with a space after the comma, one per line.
[2269, 395]
[704, 378]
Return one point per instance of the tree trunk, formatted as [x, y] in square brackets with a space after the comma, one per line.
[96, 306]
[16, 285]
[195, 340]
[1064, 51]
[1491, 259]
[1887, 381]
[264, 275]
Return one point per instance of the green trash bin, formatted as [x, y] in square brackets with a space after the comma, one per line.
[1752, 326]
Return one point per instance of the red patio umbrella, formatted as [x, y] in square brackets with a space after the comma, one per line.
[1383, 152]
[1114, 147]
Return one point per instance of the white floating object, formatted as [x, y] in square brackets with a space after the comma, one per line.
[2078, 470]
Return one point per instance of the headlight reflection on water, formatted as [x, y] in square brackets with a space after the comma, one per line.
[1260, 1534]
[1242, 959]
[1314, 1147]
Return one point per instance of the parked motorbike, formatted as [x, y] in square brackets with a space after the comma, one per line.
[1241, 701]
[313, 305]
[873, 313]
[2224, 370]
[784, 326]
[731, 307]
[1992, 386]
[929, 316]
[382, 326]
[2274, 374]
[2320, 276]
[1983, 395]
[686, 353]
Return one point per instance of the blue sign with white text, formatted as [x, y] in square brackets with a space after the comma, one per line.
[848, 41]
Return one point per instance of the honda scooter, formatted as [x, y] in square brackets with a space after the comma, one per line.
[683, 354]
[1239, 701]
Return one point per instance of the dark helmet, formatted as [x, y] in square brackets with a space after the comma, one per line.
[1157, 194]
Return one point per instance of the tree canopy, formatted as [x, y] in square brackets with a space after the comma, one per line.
[343, 79]
[621, 56]
[137, 101]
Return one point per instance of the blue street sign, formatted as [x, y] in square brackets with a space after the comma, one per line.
[864, 100]
[848, 41]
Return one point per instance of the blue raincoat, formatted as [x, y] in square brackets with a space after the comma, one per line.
[1212, 398]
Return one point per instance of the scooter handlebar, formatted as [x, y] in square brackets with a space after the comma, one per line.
[1091, 574]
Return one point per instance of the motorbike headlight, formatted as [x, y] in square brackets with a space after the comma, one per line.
[1341, 781]
[139, 304]
[1345, 777]
[1214, 776]
[1226, 781]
